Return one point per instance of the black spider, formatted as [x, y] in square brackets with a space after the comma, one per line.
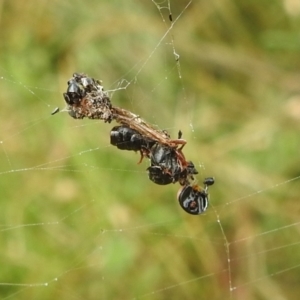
[193, 198]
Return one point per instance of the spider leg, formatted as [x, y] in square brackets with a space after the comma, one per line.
[176, 142]
[181, 159]
[141, 158]
[144, 153]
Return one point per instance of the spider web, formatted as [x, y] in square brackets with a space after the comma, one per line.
[81, 220]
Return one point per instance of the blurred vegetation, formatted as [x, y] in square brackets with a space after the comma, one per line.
[92, 225]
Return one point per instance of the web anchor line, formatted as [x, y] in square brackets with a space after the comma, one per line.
[86, 98]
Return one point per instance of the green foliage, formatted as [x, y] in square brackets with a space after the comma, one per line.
[92, 225]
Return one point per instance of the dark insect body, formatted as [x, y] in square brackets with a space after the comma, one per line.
[86, 98]
[126, 138]
[168, 165]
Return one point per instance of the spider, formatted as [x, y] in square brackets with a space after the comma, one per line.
[193, 198]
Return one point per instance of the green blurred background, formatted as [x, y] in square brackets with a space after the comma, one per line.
[82, 216]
